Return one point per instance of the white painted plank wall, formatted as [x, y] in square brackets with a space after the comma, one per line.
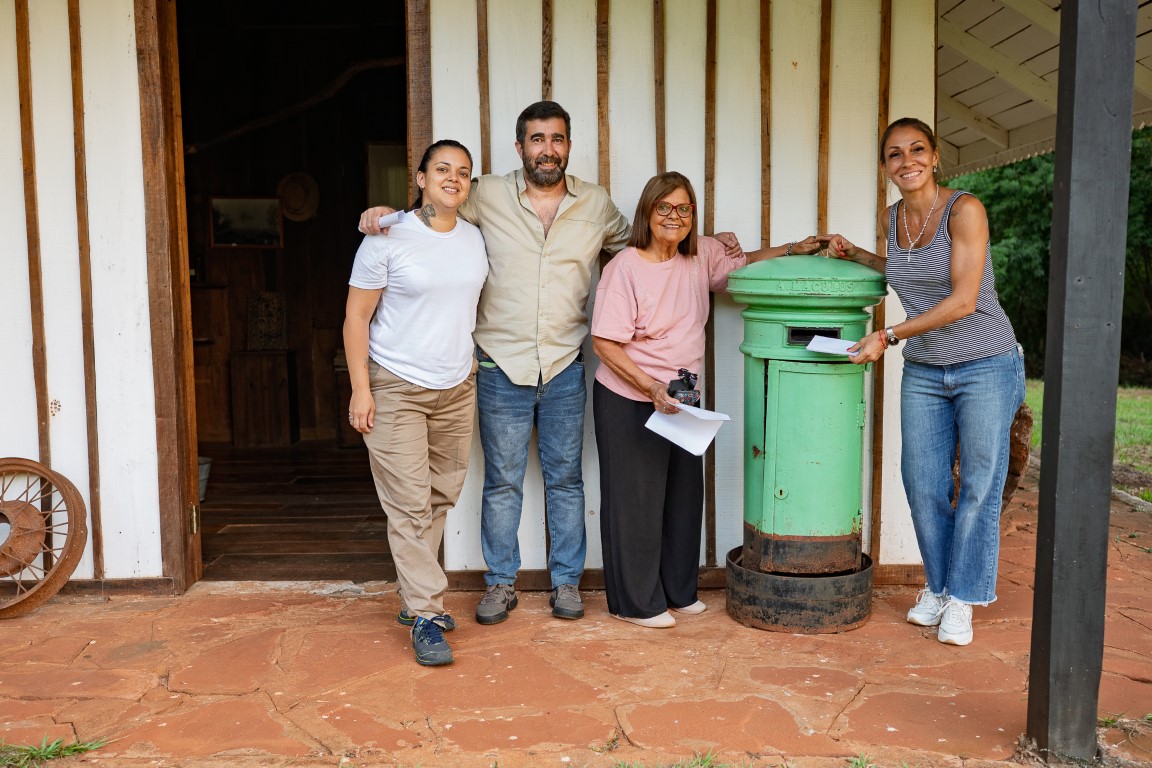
[574, 83]
[737, 209]
[125, 391]
[18, 432]
[456, 114]
[853, 99]
[514, 64]
[913, 94]
[455, 89]
[52, 120]
[574, 87]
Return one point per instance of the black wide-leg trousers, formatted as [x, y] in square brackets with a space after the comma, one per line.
[651, 510]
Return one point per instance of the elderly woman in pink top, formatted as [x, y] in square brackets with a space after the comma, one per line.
[647, 325]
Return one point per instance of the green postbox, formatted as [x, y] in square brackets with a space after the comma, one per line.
[804, 417]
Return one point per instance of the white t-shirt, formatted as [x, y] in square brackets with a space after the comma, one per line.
[422, 329]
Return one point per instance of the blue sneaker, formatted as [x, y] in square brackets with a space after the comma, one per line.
[446, 622]
[429, 644]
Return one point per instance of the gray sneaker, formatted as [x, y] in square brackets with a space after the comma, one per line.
[566, 602]
[494, 606]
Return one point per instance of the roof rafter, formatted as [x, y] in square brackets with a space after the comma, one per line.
[966, 115]
[1017, 76]
[1042, 16]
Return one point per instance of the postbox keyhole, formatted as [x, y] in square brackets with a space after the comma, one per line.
[781, 493]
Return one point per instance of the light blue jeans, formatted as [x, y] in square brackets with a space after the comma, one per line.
[507, 414]
[975, 403]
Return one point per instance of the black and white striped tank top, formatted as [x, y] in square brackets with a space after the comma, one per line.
[922, 280]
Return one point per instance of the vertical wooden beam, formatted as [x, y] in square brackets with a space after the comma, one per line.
[710, 118]
[547, 38]
[168, 297]
[765, 123]
[419, 37]
[483, 77]
[710, 77]
[878, 315]
[658, 44]
[181, 276]
[32, 226]
[825, 115]
[85, 267]
[604, 55]
[1086, 287]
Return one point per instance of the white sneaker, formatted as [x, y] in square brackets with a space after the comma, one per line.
[955, 623]
[927, 610]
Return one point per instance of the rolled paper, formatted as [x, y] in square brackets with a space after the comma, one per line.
[392, 218]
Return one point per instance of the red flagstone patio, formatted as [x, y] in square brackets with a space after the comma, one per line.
[320, 674]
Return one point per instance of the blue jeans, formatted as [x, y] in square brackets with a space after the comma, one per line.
[507, 414]
[975, 403]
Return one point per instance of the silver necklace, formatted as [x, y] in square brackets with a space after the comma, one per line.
[911, 242]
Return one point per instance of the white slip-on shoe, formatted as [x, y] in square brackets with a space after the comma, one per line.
[697, 607]
[660, 621]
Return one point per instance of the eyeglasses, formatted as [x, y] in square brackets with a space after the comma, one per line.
[684, 210]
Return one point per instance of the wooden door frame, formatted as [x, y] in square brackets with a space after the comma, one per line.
[169, 298]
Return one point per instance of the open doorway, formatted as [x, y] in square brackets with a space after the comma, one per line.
[284, 106]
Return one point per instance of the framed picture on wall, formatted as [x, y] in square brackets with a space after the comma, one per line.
[246, 222]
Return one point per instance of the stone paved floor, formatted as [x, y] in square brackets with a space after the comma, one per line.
[320, 674]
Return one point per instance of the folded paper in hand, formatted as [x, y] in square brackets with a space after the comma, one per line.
[693, 429]
[830, 346]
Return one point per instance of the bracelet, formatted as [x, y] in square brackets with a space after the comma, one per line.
[883, 338]
[788, 250]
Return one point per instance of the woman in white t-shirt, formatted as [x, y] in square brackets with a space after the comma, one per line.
[648, 331]
[408, 337]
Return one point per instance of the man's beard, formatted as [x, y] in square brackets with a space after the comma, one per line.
[543, 178]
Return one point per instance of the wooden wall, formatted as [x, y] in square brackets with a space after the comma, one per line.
[75, 317]
[773, 109]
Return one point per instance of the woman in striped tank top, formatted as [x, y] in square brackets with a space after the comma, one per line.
[963, 376]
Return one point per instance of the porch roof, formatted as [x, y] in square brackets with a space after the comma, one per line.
[996, 72]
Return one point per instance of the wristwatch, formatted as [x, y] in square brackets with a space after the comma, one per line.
[891, 336]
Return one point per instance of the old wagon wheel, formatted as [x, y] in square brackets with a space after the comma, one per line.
[42, 534]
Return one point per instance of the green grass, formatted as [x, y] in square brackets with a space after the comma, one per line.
[16, 756]
[1133, 444]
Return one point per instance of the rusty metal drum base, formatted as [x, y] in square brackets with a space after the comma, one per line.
[804, 604]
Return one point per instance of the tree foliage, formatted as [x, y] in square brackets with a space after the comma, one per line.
[1018, 198]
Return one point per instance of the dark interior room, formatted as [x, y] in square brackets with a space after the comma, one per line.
[294, 120]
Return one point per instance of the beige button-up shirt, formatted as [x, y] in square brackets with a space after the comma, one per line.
[533, 317]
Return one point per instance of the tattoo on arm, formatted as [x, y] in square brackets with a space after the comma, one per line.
[427, 213]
